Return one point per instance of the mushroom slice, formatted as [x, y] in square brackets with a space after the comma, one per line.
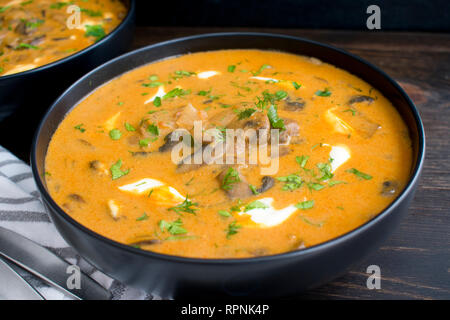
[360, 98]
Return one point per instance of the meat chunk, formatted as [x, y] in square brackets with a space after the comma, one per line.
[292, 130]
[98, 167]
[234, 184]
[168, 143]
[187, 115]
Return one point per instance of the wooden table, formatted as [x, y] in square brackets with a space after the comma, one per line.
[415, 261]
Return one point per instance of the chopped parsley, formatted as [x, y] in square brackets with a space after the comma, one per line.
[305, 205]
[173, 228]
[25, 46]
[3, 9]
[203, 93]
[306, 220]
[291, 182]
[177, 92]
[80, 127]
[185, 206]
[279, 95]
[275, 121]
[335, 182]
[129, 127]
[157, 102]
[359, 174]
[92, 13]
[254, 190]
[59, 5]
[182, 73]
[224, 213]
[116, 172]
[323, 93]
[153, 129]
[231, 68]
[324, 171]
[231, 177]
[153, 84]
[296, 85]
[315, 186]
[144, 142]
[115, 134]
[232, 229]
[264, 66]
[353, 111]
[302, 160]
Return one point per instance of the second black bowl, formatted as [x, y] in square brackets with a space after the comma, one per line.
[38, 88]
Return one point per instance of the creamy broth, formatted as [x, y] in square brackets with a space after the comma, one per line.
[345, 155]
[35, 32]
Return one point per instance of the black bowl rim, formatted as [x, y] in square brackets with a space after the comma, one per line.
[286, 255]
[93, 46]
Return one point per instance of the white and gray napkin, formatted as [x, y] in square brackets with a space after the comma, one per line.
[21, 211]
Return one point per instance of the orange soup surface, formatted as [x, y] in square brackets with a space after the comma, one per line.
[343, 155]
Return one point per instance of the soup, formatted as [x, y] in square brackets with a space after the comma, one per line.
[336, 153]
[36, 32]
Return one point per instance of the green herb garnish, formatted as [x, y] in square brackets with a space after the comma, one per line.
[177, 92]
[25, 46]
[264, 66]
[115, 134]
[232, 229]
[157, 102]
[291, 182]
[116, 172]
[323, 93]
[359, 174]
[246, 113]
[80, 127]
[185, 206]
[305, 205]
[254, 190]
[153, 129]
[144, 142]
[302, 160]
[224, 213]
[255, 205]
[143, 217]
[173, 228]
[92, 13]
[95, 31]
[275, 121]
[231, 177]
[129, 127]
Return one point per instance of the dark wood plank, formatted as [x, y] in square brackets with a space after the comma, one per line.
[415, 261]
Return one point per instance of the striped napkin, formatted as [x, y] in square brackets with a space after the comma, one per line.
[21, 211]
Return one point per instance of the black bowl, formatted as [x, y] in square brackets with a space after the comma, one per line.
[33, 91]
[268, 276]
